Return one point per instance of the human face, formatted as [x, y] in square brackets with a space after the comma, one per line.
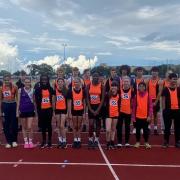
[114, 90]
[173, 81]
[141, 88]
[113, 73]
[44, 80]
[95, 78]
[139, 73]
[126, 83]
[27, 83]
[75, 73]
[60, 74]
[7, 80]
[155, 74]
[60, 83]
[77, 83]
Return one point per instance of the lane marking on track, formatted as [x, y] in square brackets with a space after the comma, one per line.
[17, 163]
[108, 163]
[20, 162]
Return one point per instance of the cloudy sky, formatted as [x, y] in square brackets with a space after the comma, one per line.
[138, 32]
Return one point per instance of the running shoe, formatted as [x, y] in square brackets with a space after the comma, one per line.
[127, 145]
[26, 146]
[119, 145]
[137, 145]
[31, 145]
[64, 145]
[95, 144]
[7, 146]
[165, 144]
[74, 145]
[43, 145]
[14, 144]
[147, 145]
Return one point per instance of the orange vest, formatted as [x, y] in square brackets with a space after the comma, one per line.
[60, 101]
[125, 103]
[142, 106]
[8, 94]
[174, 99]
[165, 83]
[77, 100]
[87, 82]
[113, 106]
[45, 103]
[95, 93]
[153, 84]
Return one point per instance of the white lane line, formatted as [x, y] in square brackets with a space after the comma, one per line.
[17, 163]
[20, 162]
[108, 163]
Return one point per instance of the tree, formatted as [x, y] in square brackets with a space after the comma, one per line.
[3, 72]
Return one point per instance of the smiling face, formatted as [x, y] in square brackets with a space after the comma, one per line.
[155, 74]
[60, 83]
[77, 83]
[44, 80]
[114, 90]
[95, 78]
[126, 83]
[141, 88]
[7, 80]
[27, 83]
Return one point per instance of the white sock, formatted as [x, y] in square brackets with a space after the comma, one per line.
[26, 140]
[96, 138]
[79, 139]
[64, 139]
[90, 139]
[60, 139]
[75, 140]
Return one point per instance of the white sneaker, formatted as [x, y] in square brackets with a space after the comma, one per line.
[134, 131]
[127, 145]
[14, 144]
[119, 145]
[7, 146]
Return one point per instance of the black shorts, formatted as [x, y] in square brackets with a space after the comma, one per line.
[27, 114]
[156, 108]
[58, 111]
[91, 115]
[77, 113]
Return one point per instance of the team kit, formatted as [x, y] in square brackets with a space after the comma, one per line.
[89, 102]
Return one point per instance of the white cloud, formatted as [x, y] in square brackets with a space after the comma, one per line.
[50, 60]
[81, 62]
[8, 57]
[104, 53]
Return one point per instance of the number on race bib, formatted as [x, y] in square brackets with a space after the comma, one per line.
[60, 98]
[125, 96]
[77, 103]
[114, 103]
[45, 100]
[7, 93]
[94, 97]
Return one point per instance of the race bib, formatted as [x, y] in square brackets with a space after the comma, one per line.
[60, 98]
[45, 100]
[113, 103]
[125, 96]
[7, 93]
[77, 103]
[94, 97]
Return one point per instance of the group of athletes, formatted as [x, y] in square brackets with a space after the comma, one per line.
[87, 101]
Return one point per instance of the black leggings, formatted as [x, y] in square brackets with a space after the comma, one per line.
[142, 124]
[168, 115]
[126, 118]
[46, 119]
